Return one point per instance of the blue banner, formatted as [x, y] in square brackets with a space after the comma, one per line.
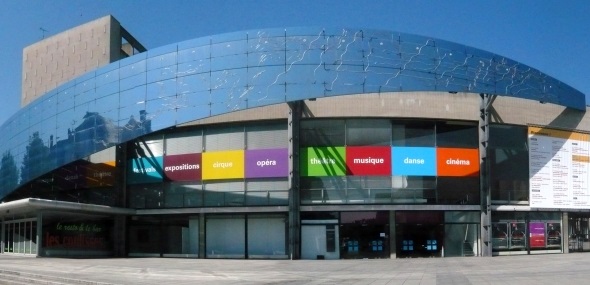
[413, 161]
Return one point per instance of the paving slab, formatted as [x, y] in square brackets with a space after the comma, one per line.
[521, 270]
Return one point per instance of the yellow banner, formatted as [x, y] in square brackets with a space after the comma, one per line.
[558, 134]
[580, 158]
[223, 165]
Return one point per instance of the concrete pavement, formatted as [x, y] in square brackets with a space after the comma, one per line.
[521, 270]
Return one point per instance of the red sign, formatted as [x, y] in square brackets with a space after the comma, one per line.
[183, 167]
[368, 160]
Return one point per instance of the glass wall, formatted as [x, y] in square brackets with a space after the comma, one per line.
[364, 235]
[90, 180]
[20, 236]
[267, 236]
[383, 161]
[461, 233]
[526, 232]
[234, 165]
[252, 236]
[509, 164]
[579, 231]
[168, 236]
[191, 80]
[437, 233]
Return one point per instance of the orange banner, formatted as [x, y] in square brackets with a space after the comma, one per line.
[457, 162]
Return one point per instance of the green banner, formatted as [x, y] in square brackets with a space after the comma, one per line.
[323, 161]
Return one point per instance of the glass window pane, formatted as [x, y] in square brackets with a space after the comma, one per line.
[226, 237]
[368, 132]
[509, 164]
[322, 133]
[228, 138]
[267, 237]
[413, 133]
[457, 134]
[267, 192]
[273, 135]
[185, 142]
[458, 190]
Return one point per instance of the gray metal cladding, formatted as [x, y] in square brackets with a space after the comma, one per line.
[214, 75]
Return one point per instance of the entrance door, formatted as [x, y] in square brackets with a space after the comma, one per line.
[419, 240]
[419, 234]
[319, 241]
[579, 232]
[364, 234]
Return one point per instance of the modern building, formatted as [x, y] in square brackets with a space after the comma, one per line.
[306, 143]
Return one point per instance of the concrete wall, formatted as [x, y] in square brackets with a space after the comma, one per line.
[67, 55]
[430, 105]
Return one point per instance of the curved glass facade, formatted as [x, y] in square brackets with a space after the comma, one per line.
[214, 75]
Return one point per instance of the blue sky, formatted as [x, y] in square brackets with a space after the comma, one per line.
[550, 35]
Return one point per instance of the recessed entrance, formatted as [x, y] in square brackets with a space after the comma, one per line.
[419, 234]
[364, 234]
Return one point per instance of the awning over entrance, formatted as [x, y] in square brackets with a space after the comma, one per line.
[28, 207]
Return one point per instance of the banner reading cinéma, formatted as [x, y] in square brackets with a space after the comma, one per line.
[559, 168]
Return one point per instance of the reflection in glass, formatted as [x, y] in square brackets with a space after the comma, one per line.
[257, 68]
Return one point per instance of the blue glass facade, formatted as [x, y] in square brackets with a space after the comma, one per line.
[214, 75]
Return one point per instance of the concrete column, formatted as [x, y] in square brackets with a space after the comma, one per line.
[120, 222]
[486, 101]
[39, 233]
[565, 236]
[202, 253]
[392, 239]
[294, 119]
[120, 236]
[2, 235]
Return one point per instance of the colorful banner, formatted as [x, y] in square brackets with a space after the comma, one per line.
[323, 161]
[537, 234]
[413, 161]
[458, 162]
[223, 165]
[183, 167]
[145, 170]
[267, 163]
[368, 160]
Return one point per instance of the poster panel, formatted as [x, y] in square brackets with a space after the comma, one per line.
[77, 235]
[537, 234]
[183, 167]
[323, 161]
[457, 162]
[223, 165]
[368, 160]
[267, 163]
[559, 168]
[413, 161]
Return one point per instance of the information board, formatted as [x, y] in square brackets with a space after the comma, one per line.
[559, 168]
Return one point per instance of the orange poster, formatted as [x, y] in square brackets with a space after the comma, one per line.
[457, 162]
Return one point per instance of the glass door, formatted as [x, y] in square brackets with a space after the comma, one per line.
[364, 234]
[419, 233]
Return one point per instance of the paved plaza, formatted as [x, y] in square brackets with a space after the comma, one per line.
[521, 270]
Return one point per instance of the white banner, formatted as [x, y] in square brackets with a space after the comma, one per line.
[559, 169]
